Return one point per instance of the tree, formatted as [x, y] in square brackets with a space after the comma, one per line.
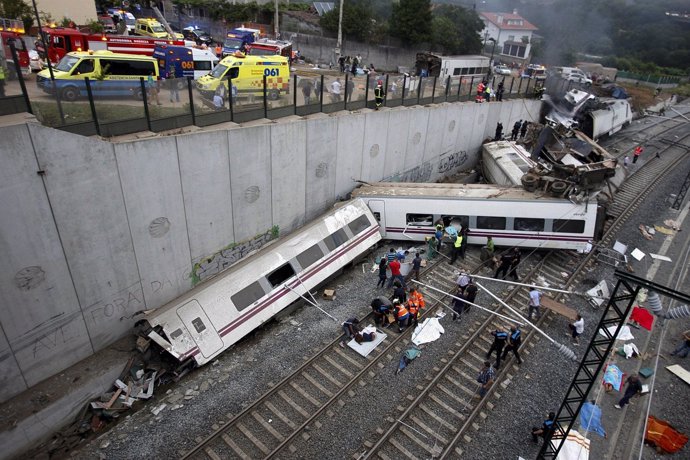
[356, 20]
[411, 21]
[456, 30]
[14, 9]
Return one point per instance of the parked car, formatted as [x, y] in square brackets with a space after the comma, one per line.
[108, 24]
[502, 70]
[200, 36]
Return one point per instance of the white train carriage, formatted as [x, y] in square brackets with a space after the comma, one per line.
[214, 315]
[608, 121]
[510, 215]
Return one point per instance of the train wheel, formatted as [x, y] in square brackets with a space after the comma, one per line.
[530, 182]
[558, 187]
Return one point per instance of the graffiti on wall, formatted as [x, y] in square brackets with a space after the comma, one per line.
[214, 264]
[421, 173]
[450, 161]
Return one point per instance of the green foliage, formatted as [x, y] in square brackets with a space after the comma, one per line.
[95, 26]
[14, 9]
[411, 21]
[66, 22]
[357, 23]
[456, 30]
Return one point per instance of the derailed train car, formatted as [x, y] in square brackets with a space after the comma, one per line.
[510, 215]
[207, 320]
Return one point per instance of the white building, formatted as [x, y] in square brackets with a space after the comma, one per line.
[79, 11]
[513, 35]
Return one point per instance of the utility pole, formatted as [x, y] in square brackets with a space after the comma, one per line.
[338, 47]
[275, 23]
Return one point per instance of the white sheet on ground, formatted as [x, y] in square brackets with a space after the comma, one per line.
[629, 349]
[428, 331]
[624, 333]
[365, 348]
[575, 447]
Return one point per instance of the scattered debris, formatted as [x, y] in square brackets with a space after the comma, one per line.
[329, 294]
[637, 254]
[645, 233]
[157, 410]
[672, 224]
[104, 444]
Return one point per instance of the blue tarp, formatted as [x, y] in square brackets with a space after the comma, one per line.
[590, 419]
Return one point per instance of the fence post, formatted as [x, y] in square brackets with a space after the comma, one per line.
[366, 93]
[347, 75]
[447, 88]
[403, 89]
[512, 80]
[433, 90]
[519, 85]
[92, 105]
[22, 85]
[232, 109]
[265, 101]
[191, 100]
[145, 98]
[419, 88]
[459, 87]
[527, 87]
[385, 92]
[469, 95]
[321, 95]
[294, 95]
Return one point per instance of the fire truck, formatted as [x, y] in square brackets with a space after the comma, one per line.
[62, 40]
[268, 47]
[11, 30]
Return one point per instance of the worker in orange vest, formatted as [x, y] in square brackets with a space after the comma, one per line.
[637, 153]
[480, 92]
[402, 314]
[219, 50]
[415, 303]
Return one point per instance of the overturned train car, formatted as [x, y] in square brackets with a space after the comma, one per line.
[207, 320]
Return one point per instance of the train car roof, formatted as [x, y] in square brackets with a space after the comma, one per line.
[265, 259]
[450, 191]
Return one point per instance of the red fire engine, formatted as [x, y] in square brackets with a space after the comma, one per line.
[11, 29]
[62, 40]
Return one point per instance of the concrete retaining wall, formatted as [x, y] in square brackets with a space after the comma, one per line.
[94, 232]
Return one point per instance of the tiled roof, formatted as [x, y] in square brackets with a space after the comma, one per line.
[508, 21]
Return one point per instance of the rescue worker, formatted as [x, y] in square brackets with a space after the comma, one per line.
[480, 92]
[439, 236]
[514, 341]
[414, 304]
[219, 51]
[379, 94]
[464, 230]
[636, 153]
[500, 339]
[430, 247]
[487, 93]
[402, 315]
[2, 81]
[499, 131]
[546, 430]
[457, 246]
[381, 306]
[350, 329]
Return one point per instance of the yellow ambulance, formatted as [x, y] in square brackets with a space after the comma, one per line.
[247, 74]
[149, 27]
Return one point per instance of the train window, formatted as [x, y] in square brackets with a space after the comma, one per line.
[310, 256]
[491, 223]
[175, 334]
[248, 296]
[377, 216]
[420, 220]
[456, 221]
[568, 226]
[359, 224]
[198, 325]
[527, 224]
[335, 239]
[281, 275]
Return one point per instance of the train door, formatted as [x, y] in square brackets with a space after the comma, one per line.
[200, 328]
[378, 208]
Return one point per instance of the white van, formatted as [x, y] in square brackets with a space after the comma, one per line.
[574, 74]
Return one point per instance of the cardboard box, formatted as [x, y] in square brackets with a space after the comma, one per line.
[329, 294]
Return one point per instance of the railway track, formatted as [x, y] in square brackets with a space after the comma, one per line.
[291, 412]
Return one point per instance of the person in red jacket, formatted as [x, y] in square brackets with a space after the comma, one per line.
[394, 265]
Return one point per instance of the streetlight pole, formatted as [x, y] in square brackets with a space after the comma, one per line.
[491, 59]
[339, 45]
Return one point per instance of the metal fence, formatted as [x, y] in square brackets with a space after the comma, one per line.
[175, 103]
[649, 78]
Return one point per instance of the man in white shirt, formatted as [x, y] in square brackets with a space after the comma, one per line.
[335, 90]
[462, 281]
[534, 302]
[577, 328]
